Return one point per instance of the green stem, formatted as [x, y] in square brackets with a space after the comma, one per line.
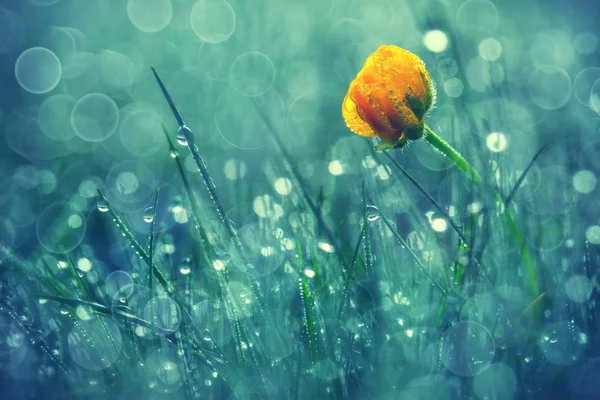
[459, 161]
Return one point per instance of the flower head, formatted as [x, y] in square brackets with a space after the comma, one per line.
[389, 97]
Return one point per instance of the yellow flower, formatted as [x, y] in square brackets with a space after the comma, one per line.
[389, 97]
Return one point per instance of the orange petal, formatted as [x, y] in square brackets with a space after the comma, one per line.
[354, 122]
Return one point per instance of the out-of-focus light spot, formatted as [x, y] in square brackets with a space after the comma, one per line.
[400, 322]
[583, 83]
[218, 265]
[475, 207]
[435, 41]
[38, 70]
[586, 43]
[477, 16]
[127, 182]
[213, 21]
[252, 74]
[265, 207]
[483, 75]
[288, 244]
[584, 181]
[87, 189]
[454, 87]
[95, 117]
[549, 87]
[595, 96]
[383, 172]
[283, 186]
[439, 224]
[150, 15]
[84, 313]
[84, 264]
[496, 142]
[369, 162]
[447, 68]
[409, 332]
[267, 251]
[592, 234]
[75, 221]
[326, 247]
[140, 331]
[579, 288]
[61, 264]
[336, 167]
[309, 273]
[168, 248]
[451, 211]
[235, 169]
[490, 49]
[180, 214]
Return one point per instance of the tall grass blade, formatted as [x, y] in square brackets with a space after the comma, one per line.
[524, 175]
[137, 247]
[151, 238]
[426, 194]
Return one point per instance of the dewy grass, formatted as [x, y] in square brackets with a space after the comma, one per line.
[326, 336]
[461, 163]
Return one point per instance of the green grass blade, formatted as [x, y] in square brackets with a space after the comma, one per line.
[297, 178]
[462, 164]
[189, 193]
[151, 239]
[426, 194]
[307, 303]
[403, 243]
[136, 246]
[523, 175]
[366, 232]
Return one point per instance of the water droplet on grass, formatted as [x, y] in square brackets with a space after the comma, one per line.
[149, 215]
[186, 266]
[102, 204]
[373, 213]
[182, 135]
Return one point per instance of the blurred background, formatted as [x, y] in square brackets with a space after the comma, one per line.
[80, 109]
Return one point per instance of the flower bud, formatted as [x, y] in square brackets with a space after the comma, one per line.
[389, 97]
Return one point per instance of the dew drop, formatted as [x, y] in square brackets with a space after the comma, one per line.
[186, 266]
[373, 213]
[64, 310]
[102, 204]
[182, 135]
[149, 215]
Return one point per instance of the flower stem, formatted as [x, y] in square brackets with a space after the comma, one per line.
[457, 159]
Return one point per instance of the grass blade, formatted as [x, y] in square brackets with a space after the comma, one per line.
[429, 197]
[412, 253]
[188, 191]
[295, 175]
[168, 97]
[151, 239]
[523, 175]
[462, 164]
[136, 246]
